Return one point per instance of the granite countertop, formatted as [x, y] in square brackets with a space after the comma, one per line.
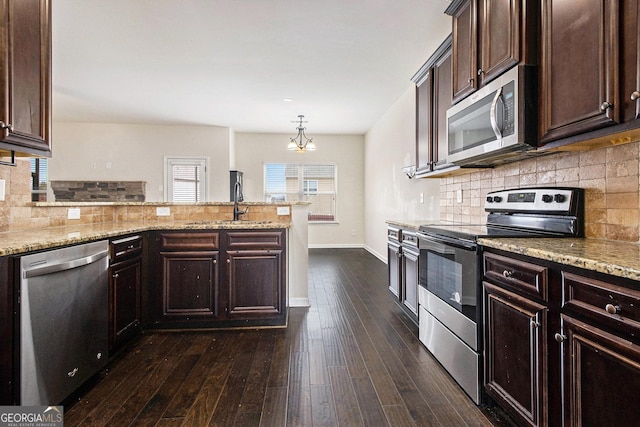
[612, 257]
[412, 225]
[22, 241]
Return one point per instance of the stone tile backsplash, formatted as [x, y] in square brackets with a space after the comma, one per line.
[101, 191]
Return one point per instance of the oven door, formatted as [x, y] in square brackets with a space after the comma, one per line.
[450, 270]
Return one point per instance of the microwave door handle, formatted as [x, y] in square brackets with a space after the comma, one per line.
[493, 114]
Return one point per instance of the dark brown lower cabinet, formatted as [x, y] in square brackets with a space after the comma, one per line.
[601, 376]
[562, 344]
[254, 281]
[219, 278]
[125, 284]
[515, 354]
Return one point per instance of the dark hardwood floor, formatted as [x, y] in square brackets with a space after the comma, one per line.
[351, 359]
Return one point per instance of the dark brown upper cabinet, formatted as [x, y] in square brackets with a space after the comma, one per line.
[580, 67]
[489, 37]
[433, 98]
[630, 88]
[25, 77]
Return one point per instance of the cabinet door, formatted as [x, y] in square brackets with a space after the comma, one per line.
[424, 122]
[410, 262]
[189, 285]
[579, 86]
[125, 301]
[601, 376]
[499, 24]
[465, 42]
[393, 263]
[25, 76]
[630, 90]
[255, 283]
[441, 102]
[515, 356]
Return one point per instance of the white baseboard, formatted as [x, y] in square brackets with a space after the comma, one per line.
[336, 246]
[381, 257]
[299, 302]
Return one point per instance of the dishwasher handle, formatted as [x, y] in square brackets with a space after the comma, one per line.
[62, 266]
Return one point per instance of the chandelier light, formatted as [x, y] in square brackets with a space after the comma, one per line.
[300, 143]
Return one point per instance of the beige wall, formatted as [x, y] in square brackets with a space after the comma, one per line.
[389, 194]
[136, 153]
[346, 151]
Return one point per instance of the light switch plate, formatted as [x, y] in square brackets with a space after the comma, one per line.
[73, 213]
[283, 210]
[459, 196]
[2, 181]
[163, 211]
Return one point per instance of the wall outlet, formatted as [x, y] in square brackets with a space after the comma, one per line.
[459, 196]
[73, 213]
[283, 210]
[163, 211]
[2, 187]
[421, 197]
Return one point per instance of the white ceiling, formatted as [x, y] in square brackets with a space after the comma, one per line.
[232, 62]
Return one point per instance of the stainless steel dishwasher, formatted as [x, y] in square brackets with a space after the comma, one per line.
[64, 303]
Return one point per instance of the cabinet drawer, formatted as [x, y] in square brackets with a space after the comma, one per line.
[254, 239]
[394, 234]
[523, 277]
[409, 239]
[604, 302]
[189, 241]
[125, 248]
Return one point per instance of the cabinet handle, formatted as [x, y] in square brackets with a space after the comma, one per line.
[635, 95]
[612, 309]
[605, 106]
[72, 373]
[535, 324]
[559, 337]
[470, 81]
[480, 71]
[4, 126]
[508, 274]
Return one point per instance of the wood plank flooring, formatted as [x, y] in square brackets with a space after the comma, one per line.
[351, 359]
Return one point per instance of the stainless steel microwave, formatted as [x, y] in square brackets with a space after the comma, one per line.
[497, 123]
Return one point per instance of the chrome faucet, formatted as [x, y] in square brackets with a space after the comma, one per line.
[236, 211]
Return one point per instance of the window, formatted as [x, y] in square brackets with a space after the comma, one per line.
[288, 182]
[39, 180]
[185, 179]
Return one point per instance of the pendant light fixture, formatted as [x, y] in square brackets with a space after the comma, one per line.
[300, 143]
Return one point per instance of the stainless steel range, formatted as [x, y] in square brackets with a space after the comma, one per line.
[450, 274]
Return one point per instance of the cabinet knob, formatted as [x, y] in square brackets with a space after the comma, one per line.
[508, 274]
[635, 95]
[228, 261]
[6, 126]
[72, 373]
[215, 261]
[115, 276]
[559, 337]
[470, 81]
[612, 309]
[535, 324]
[480, 71]
[605, 106]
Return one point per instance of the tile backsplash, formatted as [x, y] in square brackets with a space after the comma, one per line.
[610, 177]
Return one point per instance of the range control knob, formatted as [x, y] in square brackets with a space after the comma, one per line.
[547, 198]
[559, 198]
[489, 199]
[497, 199]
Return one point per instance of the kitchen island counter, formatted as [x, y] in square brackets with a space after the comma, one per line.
[23, 241]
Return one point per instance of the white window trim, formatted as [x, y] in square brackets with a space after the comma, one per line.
[167, 179]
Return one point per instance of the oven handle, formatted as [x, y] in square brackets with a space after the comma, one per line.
[443, 245]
